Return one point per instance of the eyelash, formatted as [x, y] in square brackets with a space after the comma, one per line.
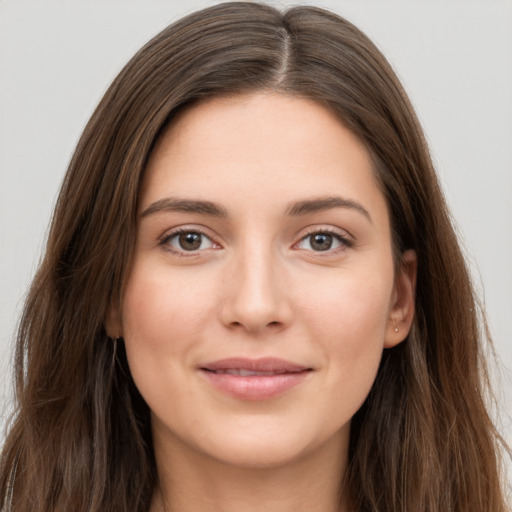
[345, 241]
[165, 241]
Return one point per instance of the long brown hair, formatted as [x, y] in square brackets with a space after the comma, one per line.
[80, 439]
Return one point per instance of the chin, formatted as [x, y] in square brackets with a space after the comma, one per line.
[252, 442]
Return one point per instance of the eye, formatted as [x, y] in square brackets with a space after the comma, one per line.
[322, 241]
[187, 241]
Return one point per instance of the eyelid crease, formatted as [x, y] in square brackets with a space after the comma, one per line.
[337, 232]
[345, 239]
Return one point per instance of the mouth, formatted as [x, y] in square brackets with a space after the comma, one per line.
[254, 379]
[245, 373]
[270, 365]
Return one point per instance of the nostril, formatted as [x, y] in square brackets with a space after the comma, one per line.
[275, 324]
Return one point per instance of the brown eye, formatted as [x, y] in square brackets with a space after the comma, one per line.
[188, 241]
[321, 241]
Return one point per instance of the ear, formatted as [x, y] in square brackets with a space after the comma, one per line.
[113, 325]
[402, 306]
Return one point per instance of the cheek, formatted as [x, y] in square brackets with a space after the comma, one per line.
[351, 304]
[160, 306]
[349, 319]
[163, 315]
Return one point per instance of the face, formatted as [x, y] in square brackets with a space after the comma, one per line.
[262, 290]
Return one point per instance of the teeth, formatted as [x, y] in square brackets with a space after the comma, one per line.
[246, 373]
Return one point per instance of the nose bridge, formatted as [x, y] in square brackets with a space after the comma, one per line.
[256, 297]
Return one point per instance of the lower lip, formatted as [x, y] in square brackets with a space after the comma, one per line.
[255, 387]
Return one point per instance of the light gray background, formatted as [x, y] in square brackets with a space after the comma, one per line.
[454, 57]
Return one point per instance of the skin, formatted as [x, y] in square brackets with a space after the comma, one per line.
[257, 287]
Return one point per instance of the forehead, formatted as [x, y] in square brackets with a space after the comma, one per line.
[258, 117]
[269, 145]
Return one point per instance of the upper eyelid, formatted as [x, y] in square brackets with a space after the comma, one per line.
[187, 229]
[177, 232]
[173, 232]
[164, 243]
[311, 230]
[346, 240]
[343, 234]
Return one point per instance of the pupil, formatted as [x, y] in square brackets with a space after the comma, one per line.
[321, 242]
[190, 241]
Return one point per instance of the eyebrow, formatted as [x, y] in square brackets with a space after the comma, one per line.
[315, 205]
[306, 207]
[169, 204]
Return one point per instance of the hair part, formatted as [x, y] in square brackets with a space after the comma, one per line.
[81, 434]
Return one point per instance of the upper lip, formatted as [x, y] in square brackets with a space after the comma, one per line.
[265, 364]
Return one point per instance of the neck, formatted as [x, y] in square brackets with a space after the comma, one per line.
[191, 482]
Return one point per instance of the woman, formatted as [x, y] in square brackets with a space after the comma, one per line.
[252, 296]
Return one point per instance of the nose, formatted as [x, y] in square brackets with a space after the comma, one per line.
[255, 295]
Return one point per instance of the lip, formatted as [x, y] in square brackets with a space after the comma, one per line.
[254, 379]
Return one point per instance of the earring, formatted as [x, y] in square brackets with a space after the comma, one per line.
[395, 328]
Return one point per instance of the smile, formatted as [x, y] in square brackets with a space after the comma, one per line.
[248, 373]
[254, 379]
